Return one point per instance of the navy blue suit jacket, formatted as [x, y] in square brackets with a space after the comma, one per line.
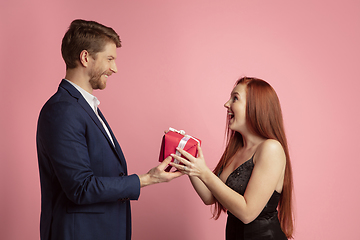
[85, 188]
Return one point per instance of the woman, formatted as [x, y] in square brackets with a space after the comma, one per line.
[253, 179]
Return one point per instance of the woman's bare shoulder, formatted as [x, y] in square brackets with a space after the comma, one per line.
[270, 150]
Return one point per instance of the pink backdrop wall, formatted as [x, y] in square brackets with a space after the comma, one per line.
[177, 66]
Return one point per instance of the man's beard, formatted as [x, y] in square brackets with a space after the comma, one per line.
[95, 79]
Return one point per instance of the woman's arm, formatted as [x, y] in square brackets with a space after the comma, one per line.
[268, 171]
[202, 190]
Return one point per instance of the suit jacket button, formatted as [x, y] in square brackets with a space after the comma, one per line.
[121, 174]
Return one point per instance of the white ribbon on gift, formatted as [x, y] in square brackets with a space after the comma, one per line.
[182, 142]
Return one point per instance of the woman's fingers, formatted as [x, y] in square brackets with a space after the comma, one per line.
[200, 152]
[178, 166]
[180, 159]
[182, 168]
[186, 154]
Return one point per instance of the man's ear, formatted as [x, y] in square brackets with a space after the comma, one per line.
[84, 58]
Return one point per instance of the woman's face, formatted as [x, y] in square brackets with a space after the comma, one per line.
[237, 108]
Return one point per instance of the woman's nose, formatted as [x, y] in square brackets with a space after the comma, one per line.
[227, 104]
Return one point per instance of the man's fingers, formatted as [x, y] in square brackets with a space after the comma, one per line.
[165, 163]
[176, 174]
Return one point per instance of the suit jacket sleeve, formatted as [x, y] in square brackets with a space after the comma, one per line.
[85, 165]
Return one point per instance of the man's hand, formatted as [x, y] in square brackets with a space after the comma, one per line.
[158, 175]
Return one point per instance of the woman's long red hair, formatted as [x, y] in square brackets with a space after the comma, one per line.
[264, 118]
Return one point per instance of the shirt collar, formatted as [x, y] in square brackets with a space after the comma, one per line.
[90, 99]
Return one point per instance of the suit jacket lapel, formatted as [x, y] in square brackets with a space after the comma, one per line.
[82, 102]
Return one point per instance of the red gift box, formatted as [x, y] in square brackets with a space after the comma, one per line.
[173, 139]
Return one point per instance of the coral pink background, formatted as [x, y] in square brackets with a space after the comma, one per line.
[177, 67]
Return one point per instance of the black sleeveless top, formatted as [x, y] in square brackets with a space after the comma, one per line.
[266, 226]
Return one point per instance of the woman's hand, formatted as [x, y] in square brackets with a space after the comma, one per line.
[194, 167]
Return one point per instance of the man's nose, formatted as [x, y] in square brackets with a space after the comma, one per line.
[113, 67]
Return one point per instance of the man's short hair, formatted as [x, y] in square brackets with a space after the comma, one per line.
[86, 35]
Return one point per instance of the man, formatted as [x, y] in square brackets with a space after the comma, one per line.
[85, 187]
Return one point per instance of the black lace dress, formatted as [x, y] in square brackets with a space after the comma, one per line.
[266, 226]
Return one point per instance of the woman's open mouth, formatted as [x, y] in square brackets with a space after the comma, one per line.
[231, 115]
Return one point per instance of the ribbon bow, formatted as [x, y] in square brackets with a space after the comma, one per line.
[182, 132]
